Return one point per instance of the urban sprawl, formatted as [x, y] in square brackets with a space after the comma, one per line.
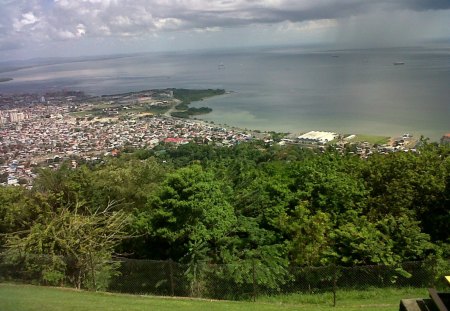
[46, 130]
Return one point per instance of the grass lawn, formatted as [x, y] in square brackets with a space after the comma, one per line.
[37, 298]
[371, 299]
[372, 139]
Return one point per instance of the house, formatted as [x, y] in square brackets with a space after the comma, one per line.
[176, 140]
[445, 140]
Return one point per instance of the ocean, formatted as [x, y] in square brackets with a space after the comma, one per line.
[284, 90]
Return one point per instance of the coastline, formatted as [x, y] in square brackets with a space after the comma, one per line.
[281, 91]
[186, 97]
[202, 114]
[373, 137]
[118, 122]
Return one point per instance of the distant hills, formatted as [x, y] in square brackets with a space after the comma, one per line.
[5, 79]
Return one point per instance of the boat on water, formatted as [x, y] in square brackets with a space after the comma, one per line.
[399, 63]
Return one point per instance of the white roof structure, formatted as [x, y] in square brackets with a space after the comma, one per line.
[350, 137]
[316, 136]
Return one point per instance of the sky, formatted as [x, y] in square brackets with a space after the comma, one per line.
[66, 28]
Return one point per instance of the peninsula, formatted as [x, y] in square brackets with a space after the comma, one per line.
[169, 102]
[186, 96]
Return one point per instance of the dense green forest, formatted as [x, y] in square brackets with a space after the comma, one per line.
[278, 206]
[187, 96]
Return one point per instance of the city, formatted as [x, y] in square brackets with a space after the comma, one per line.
[37, 130]
[46, 130]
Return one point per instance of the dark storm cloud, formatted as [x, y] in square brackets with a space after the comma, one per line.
[251, 12]
[421, 5]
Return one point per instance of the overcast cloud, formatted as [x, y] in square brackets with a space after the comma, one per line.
[102, 26]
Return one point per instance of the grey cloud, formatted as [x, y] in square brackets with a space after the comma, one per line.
[70, 19]
[235, 13]
[421, 5]
[6, 44]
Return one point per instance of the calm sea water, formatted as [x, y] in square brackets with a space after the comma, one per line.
[357, 91]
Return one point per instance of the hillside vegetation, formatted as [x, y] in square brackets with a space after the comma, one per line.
[275, 207]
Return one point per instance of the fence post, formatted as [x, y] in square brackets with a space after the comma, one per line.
[335, 276]
[172, 284]
[255, 290]
[194, 290]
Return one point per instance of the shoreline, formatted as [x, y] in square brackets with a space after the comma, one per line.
[373, 138]
[195, 96]
[186, 97]
[386, 97]
[366, 136]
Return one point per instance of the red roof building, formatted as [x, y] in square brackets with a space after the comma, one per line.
[176, 140]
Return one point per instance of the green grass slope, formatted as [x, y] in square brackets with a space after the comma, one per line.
[36, 298]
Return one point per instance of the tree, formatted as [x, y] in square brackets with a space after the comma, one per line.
[409, 242]
[65, 245]
[129, 183]
[13, 213]
[330, 183]
[413, 185]
[71, 187]
[356, 241]
[309, 236]
[190, 208]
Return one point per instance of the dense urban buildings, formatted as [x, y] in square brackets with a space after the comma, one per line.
[48, 129]
[36, 130]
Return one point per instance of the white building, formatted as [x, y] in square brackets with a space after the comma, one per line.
[317, 137]
[15, 116]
